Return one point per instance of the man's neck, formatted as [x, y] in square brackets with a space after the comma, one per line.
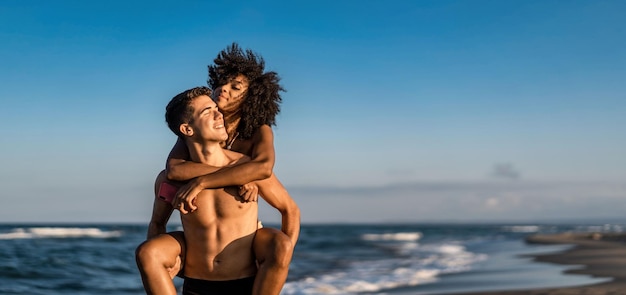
[231, 120]
[210, 153]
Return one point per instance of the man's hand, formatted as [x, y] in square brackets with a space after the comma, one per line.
[249, 192]
[185, 198]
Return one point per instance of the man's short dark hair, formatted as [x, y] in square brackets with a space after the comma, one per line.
[179, 110]
[262, 99]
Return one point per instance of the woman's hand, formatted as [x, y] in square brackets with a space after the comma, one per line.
[185, 199]
[249, 192]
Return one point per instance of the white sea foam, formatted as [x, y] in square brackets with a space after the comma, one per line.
[421, 265]
[360, 281]
[451, 249]
[451, 257]
[354, 282]
[411, 236]
[58, 232]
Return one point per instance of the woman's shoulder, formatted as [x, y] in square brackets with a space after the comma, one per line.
[264, 128]
[262, 132]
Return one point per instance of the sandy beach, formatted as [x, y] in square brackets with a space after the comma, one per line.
[595, 254]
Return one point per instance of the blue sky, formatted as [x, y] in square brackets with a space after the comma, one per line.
[394, 110]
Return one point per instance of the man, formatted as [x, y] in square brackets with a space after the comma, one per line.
[219, 234]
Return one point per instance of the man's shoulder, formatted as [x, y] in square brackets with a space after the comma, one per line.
[236, 157]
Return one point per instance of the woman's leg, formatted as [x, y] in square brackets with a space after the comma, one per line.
[159, 260]
[273, 250]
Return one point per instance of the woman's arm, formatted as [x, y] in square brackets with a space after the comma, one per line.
[179, 166]
[275, 194]
[258, 168]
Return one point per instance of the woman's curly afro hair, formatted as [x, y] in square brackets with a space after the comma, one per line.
[262, 101]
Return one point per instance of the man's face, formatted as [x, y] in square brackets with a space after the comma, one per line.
[208, 122]
[230, 95]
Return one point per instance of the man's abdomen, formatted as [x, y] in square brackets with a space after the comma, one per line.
[219, 237]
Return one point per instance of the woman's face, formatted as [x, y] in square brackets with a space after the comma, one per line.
[230, 95]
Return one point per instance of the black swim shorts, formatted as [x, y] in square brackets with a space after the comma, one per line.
[203, 287]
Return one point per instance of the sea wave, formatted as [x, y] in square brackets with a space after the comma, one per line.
[58, 232]
[418, 265]
[521, 228]
[451, 249]
[402, 236]
[344, 283]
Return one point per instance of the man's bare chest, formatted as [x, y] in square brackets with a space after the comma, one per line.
[243, 146]
[222, 204]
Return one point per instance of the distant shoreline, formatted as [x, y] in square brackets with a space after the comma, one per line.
[601, 255]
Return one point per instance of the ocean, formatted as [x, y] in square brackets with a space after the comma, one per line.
[329, 259]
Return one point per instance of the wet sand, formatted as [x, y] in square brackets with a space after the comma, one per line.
[594, 254]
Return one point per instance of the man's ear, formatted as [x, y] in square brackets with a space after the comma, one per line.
[186, 130]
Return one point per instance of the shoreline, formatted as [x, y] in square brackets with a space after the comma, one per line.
[599, 255]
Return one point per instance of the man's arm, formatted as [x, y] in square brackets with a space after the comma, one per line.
[161, 212]
[275, 194]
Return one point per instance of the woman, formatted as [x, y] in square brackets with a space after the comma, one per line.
[249, 99]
